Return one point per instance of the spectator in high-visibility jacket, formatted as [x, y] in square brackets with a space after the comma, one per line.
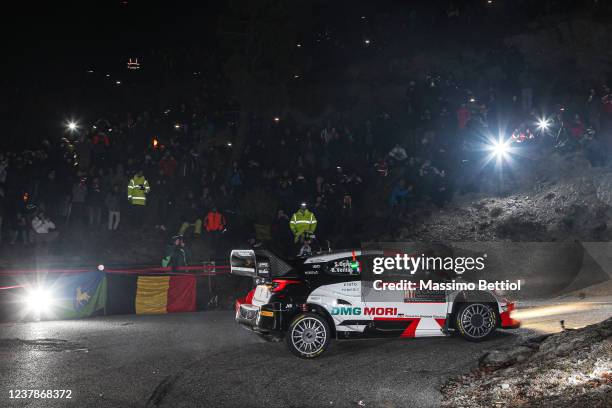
[302, 222]
[190, 213]
[138, 188]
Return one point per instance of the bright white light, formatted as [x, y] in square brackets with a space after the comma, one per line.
[100, 267]
[298, 45]
[500, 148]
[38, 301]
[72, 126]
[367, 42]
[276, 119]
[543, 124]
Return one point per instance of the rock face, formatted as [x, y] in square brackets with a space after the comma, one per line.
[570, 369]
[549, 206]
[551, 198]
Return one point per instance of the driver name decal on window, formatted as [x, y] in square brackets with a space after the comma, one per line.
[344, 267]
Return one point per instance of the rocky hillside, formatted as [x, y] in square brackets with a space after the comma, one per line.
[551, 198]
[569, 369]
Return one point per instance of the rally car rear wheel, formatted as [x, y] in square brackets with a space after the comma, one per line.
[476, 321]
[308, 335]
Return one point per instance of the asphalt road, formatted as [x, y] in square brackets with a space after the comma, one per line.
[206, 360]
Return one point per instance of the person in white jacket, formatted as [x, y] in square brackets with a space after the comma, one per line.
[44, 228]
[398, 153]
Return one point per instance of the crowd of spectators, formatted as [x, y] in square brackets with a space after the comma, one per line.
[195, 160]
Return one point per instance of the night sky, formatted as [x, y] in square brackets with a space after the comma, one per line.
[50, 46]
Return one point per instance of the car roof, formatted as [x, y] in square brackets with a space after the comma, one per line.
[345, 253]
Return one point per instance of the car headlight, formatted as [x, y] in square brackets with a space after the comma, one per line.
[38, 301]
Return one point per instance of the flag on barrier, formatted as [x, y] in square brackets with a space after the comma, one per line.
[121, 294]
[165, 294]
[80, 295]
[182, 294]
[152, 294]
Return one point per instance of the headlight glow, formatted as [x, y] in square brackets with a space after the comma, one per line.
[38, 301]
[500, 148]
[543, 124]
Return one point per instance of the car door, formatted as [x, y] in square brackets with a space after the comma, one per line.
[404, 313]
[339, 292]
[427, 308]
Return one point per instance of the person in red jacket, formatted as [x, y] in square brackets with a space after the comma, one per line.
[606, 100]
[463, 116]
[382, 168]
[168, 165]
[576, 128]
[214, 223]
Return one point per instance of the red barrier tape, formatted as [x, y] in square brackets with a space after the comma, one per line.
[179, 271]
[11, 287]
[12, 272]
[155, 269]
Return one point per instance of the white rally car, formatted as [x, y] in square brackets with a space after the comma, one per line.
[309, 301]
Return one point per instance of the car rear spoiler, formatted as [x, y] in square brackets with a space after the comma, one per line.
[257, 263]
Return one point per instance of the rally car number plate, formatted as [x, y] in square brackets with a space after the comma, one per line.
[262, 294]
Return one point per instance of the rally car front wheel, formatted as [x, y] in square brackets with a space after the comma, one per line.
[476, 321]
[308, 335]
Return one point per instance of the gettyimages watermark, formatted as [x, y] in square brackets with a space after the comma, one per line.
[428, 270]
[411, 264]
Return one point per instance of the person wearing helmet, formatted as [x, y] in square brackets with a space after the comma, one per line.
[306, 249]
[176, 255]
[302, 222]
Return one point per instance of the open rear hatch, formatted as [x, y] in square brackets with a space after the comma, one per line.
[260, 264]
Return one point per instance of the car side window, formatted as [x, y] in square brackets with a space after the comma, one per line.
[343, 267]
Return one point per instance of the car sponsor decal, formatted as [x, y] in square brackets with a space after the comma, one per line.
[424, 296]
[366, 311]
[408, 325]
[263, 268]
[441, 322]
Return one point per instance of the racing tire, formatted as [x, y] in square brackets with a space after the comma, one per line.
[308, 335]
[476, 321]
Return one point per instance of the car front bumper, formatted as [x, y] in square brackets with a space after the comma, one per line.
[507, 322]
